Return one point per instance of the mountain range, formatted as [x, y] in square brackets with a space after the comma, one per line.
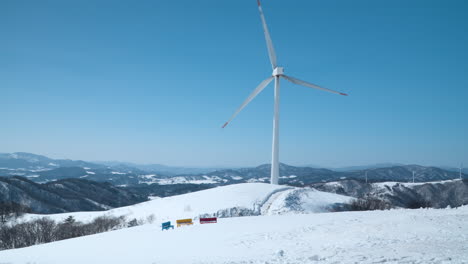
[33, 162]
[66, 195]
[438, 194]
[41, 169]
[53, 186]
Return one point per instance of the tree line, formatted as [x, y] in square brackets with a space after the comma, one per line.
[11, 210]
[45, 230]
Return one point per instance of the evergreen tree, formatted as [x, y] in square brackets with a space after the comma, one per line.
[70, 220]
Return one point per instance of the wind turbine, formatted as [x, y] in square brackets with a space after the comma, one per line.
[278, 72]
[461, 167]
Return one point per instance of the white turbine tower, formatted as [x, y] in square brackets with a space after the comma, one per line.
[461, 167]
[277, 73]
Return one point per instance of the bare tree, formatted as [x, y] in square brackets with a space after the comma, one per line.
[11, 210]
[44, 230]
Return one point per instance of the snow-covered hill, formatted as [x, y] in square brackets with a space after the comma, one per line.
[438, 194]
[395, 236]
[232, 200]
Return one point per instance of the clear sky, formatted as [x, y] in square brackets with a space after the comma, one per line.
[154, 81]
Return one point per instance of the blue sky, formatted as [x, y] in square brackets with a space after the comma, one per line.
[153, 81]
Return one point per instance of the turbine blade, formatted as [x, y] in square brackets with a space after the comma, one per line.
[257, 90]
[304, 83]
[271, 50]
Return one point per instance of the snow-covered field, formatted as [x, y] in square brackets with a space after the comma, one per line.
[396, 236]
[279, 235]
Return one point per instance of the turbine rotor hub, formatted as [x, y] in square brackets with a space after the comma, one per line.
[278, 71]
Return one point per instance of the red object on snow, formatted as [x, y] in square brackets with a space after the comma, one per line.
[208, 220]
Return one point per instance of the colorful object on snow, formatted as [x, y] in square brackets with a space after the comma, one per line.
[208, 220]
[182, 222]
[166, 225]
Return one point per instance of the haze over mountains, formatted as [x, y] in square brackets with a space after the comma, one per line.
[42, 169]
[48, 185]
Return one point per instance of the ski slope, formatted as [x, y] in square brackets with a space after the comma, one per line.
[394, 236]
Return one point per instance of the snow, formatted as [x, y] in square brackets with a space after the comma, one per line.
[288, 177]
[246, 195]
[409, 184]
[264, 179]
[257, 197]
[179, 180]
[147, 179]
[292, 228]
[103, 206]
[394, 236]
[148, 176]
[38, 169]
[152, 178]
[305, 200]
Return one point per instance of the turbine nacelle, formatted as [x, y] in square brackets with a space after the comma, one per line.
[278, 71]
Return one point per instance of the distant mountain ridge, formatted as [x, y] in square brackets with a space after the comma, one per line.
[67, 195]
[158, 168]
[29, 161]
[301, 176]
[439, 194]
[42, 169]
[367, 167]
[53, 186]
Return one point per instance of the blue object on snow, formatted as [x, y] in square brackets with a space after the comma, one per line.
[167, 225]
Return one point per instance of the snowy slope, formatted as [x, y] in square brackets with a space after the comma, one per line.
[395, 236]
[302, 200]
[409, 184]
[255, 198]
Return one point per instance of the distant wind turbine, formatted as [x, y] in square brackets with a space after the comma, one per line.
[277, 73]
[461, 167]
